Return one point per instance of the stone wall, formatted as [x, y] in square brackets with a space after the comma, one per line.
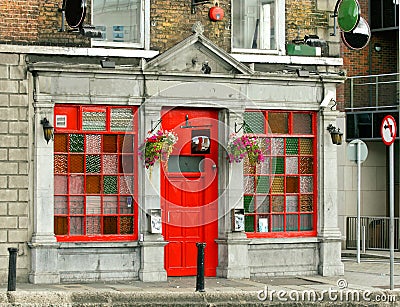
[14, 162]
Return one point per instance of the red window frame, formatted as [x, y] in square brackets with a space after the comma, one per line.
[110, 207]
[254, 199]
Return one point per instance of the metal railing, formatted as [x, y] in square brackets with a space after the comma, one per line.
[374, 233]
[372, 92]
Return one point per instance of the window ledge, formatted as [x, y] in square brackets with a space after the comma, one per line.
[285, 59]
[101, 52]
[295, 240]
[66, 245]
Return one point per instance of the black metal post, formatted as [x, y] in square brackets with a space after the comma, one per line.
[12, 269]
[200, 267]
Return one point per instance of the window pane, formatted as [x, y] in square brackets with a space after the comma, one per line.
[248, 184]
[292, 203]
[60, 143]
[292, 146]
[120, 19]
[306, 222]
[93, 143]
[254, 24]
[94, 121]
[302, 123]
[277, 204]
[262, 204]
[263, 184]
[277, 223]
[278, 122]
[60, 205]
[248, 204]
[93, 225]
[76, 225]
[76, 143]
[60, 164]
[291, 223]
[126, 225]
[254, 122]
[121, 120]
[110, 225]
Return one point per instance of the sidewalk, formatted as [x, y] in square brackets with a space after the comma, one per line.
[363, 284]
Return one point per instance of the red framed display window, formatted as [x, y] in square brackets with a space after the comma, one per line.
[95, 173]
[280, 194]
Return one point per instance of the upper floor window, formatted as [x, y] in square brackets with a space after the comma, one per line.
[258, 25]
[122, 22]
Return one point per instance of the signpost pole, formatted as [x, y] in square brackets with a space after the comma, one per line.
[358, 200]
[391, 221]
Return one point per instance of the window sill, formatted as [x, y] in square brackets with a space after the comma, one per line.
[67, 245]
[286, 59]
[296, 240]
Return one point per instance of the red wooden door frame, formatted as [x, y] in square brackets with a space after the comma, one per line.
[190, 198]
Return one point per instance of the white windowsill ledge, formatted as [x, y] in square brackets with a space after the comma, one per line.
[286, 59]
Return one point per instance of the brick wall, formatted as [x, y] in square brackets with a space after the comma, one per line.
[14, 157]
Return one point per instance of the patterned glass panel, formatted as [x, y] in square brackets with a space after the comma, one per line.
[248, 204]
[60, 225]
[76, 204]
[126, 225]
[292, 203]
[93, 164]
[60, 184]
[76, 225]
[76, 163]
[278, 165]
[126, 204]
[126, 164]
[292, 165]
[110, 143]
[277, 223]
[292, 184]
[292, 146]
[248, 184]
[306, 165]
[277, 185]
[93, 143]
[110, 204]
[306, 147]
[93, 184]
[126, 143]
[93, 204]
[277, 146]
[254, 122]
[306, 222]
[277, 203]
[110, 225]
[248, 168]
[60, 164]
[60, 205]
[264, 167]
[76, 143]
[60, 142]
[291, 222]
[76, 184]
[262, 204]
[265, 146]
[278, 122]
[263, 184]
[126, 185]
[302, 123]
[306, 184]
[110, 185]
[249, 223]
[95, 121]
[121, 120]
[306, 203]
[110, 164]
[93, 225]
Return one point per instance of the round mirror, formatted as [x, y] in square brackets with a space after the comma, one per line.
[348, 14]
[359, 37]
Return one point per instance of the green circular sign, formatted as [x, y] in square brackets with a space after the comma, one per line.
[348, 14]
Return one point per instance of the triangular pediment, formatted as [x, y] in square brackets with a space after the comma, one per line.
[192, 53]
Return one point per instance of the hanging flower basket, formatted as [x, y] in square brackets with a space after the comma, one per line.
[157, 147]
[240, 147]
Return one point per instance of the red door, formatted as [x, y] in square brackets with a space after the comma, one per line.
[189, 188]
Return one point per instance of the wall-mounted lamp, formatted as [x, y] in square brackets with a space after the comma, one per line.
[336, 135]
[47, 130]
[377, 47]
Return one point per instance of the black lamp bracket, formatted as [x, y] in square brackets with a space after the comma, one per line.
[155, 127]
[241, 126]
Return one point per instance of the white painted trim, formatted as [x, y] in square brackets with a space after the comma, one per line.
[273, 59]
[101, 52]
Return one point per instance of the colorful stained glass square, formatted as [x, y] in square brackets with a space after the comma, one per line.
[292, 203]
[278, 122]
[110, 185]
[126, 225]
[306, 147]
[277, 203]
[248, 204]
[60, 164]
[306, 165]
[277, 222]
[94, 121]
[292, 146]
[263, 184]
[292, 184]
[93, 164]
[110, 164]
[76, 163]
[278, 165]
[277, 185]
[306, 184]
[249, 223]
[248, 182]
[292, 222]
[93, 226]
[262, 204]
[292, 165]
[93, 204]
[254, 122]
[76, 143]
[302, 123]
[93, 143]
[277, 146]
[121, 119]
[60, 142]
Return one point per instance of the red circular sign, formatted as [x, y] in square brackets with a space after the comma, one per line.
[388, 130]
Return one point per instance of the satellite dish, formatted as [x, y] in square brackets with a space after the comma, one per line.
[359, 37]
[348, 13]
[75, 12]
